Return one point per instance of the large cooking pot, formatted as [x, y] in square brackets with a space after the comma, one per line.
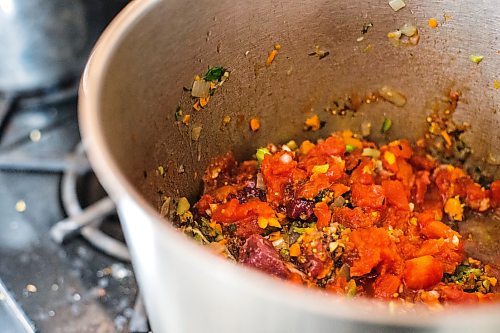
[134, 82]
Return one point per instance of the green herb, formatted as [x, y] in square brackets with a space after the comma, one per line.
[214, 74]
[476, 58]
[261, 152]
[350, 148]
[386, 125]
[178, 113]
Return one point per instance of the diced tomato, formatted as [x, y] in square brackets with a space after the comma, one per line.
[436, 229]
[428, 216]
[477, 198]
[444, 251]
[422, 272]
[385, 286]
[354, 218]
[363, 174]
[339, 189]
[316, 184]
[220, 194]
[233, 211]
[405, 173]
[333, 145]
[323, 214]
[395, 194]
[454, 295]
[204, 204]
[247, 227]
[401, 148]
[495, 193]
[422, 162]
[374, 249]
[421, 182]
[367, 195]
[277, 172]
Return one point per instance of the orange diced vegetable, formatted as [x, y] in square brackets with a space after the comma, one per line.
[305, 147]
[271, 57]
[197, 106]
[255, 124]
[422, 272]
[295, 250]
[204, 101]
[186, 119]
[433, 23]
[454, 209]
[323, 214]
[313, 123]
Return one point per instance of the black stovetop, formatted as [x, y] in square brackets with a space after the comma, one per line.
[46, 286]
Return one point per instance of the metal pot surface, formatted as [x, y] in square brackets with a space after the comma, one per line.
[133, 84]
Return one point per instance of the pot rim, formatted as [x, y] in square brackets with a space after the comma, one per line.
[120, 189]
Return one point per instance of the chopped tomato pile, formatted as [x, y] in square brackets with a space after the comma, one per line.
[349, 217]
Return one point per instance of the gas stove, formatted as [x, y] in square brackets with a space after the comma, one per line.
[65, 266]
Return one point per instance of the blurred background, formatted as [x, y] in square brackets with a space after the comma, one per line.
[64, 266]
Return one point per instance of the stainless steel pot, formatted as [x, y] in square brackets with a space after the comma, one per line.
[133, 84]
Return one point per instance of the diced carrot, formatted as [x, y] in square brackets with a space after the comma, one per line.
[305, 147]
[255, 124]
[454, 209]
[313, 123]
[446, 138]
[186, 119]
[422, 272]
[197, 106]
[433, 23]
[295, 250]
[271, 57]
[204, 101]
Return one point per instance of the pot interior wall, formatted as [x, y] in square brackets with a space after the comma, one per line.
[161, 54]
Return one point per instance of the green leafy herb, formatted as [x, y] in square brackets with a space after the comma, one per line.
[261, 152]
[386, 125]
[214, 74]
[350, 148]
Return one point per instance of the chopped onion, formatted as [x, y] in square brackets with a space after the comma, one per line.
[201, 89]
[286, 158]
[195, 133]
[366, 128]
[260, 182]
[370, 152]
[392, 96]
[397, 4]
[409, 30]
[278, 243]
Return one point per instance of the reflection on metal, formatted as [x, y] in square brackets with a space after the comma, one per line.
[23, 324]
[87, 221]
